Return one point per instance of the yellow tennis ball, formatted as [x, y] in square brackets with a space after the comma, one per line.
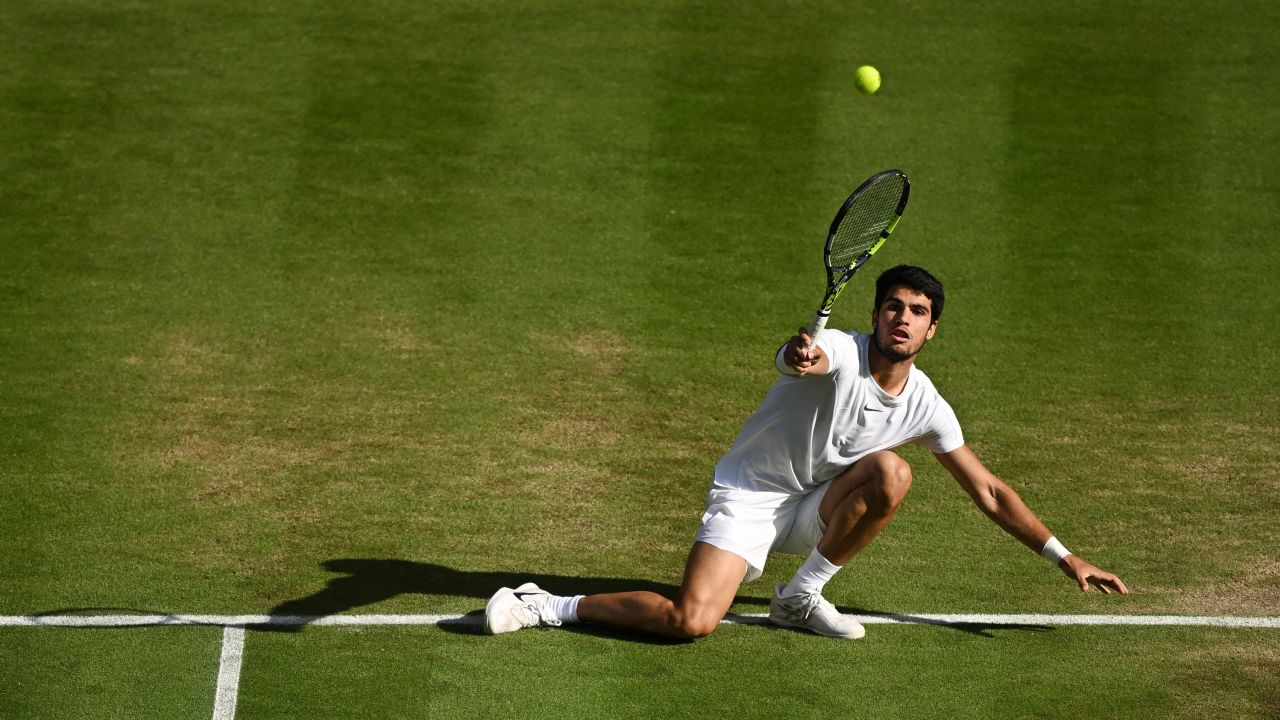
[867, 79]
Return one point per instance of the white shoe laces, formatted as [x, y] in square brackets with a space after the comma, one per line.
[814, 602]
[534, 612]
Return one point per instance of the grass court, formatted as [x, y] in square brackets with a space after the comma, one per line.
[350, 308]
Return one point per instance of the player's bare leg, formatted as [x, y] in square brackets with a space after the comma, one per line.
[711, 580]
[856, 507]
[860, 503]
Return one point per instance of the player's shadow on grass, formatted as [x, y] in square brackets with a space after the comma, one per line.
[366, 582]
[369, 581]
[973, 628]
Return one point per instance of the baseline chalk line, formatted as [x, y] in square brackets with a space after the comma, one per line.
[240, 622]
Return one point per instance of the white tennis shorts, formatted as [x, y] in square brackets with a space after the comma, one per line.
[752, 524]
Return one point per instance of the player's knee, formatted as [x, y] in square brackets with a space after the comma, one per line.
[892, 482]
[694, 625]
[697, 628]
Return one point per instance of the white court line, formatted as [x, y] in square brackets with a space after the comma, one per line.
[240, 621]
[224, 703]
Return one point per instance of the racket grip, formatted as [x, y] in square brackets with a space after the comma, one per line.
[815, 327]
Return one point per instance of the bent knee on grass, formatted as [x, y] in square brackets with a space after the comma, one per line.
[697, 624]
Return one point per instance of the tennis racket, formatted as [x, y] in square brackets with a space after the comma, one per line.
[861, 226]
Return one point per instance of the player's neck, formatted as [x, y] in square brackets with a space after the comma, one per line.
[891, 375]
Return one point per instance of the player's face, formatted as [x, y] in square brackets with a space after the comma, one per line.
[902, 324]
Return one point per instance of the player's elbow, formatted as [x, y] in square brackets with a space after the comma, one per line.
[988, 500]
[1002, 504]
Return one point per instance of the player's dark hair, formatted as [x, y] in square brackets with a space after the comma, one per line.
[917, 279]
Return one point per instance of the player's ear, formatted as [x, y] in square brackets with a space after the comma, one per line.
[933, 327]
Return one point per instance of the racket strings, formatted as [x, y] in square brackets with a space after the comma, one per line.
[865, 220]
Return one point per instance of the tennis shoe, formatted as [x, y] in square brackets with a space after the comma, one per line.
[512, 609]
[812, 612]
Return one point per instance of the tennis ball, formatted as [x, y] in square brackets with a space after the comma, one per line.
[867, 79]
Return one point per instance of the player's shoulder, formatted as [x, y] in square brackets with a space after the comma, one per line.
[844, 335]
[842, 347]
[850, 338]
[837, 339]
[923, 384]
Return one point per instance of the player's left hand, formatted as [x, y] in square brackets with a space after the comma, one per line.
[1085, 575]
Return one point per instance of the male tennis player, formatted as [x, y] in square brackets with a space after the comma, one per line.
[813, 474]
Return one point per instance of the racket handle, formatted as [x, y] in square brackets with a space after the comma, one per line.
[815, 327]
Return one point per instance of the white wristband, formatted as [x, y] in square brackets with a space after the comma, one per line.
[781, 362]
[1054, 551]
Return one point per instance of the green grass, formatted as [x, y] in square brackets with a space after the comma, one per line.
[486, 290]
[152, 672]
[750, 672]
[760, 673]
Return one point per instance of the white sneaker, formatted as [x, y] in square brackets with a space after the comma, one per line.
[509, 610]
[812, 612]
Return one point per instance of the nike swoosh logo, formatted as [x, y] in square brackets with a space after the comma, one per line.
[873, 408]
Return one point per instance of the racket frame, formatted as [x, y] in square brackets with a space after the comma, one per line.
[838, 277]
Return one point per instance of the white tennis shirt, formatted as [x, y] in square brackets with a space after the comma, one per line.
[810, 429]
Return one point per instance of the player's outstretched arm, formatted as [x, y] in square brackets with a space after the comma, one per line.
[798, 358]
[1000, 503]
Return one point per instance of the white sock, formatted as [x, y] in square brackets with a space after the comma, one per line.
[565, 609]
[812, 576]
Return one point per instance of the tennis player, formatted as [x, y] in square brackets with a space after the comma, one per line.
[813, 473]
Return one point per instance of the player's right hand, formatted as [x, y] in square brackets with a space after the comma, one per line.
[800, 354]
